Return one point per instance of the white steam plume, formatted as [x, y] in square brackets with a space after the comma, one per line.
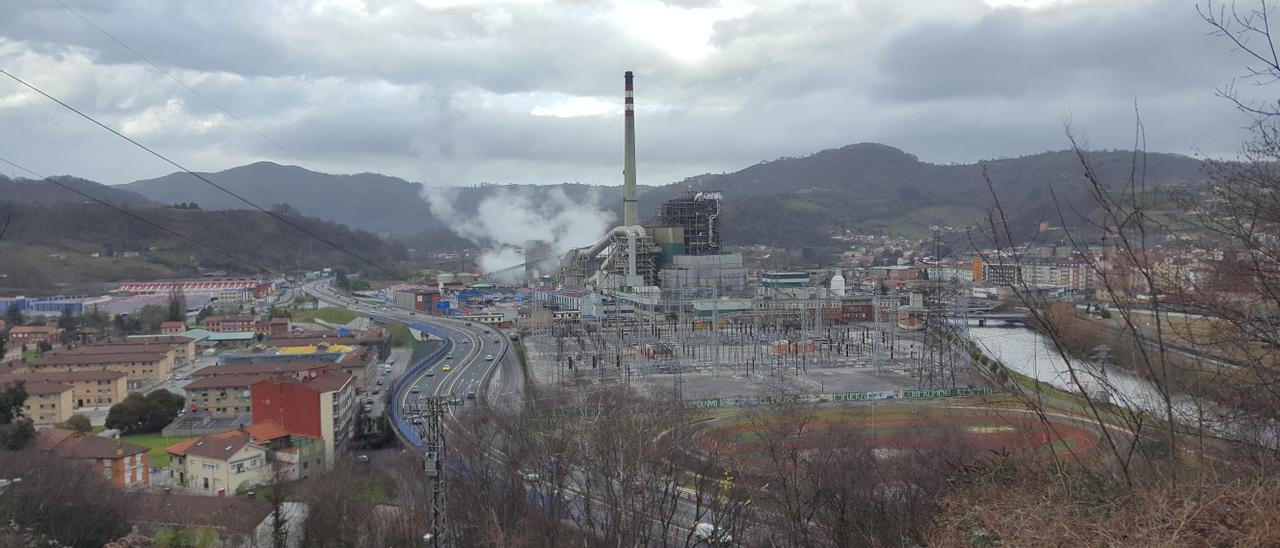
[505, 220]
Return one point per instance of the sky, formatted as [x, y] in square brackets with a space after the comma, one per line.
[460, 92]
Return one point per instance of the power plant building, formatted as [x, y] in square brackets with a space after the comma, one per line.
[697, 216]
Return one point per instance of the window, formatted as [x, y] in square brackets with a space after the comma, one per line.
[209, 466]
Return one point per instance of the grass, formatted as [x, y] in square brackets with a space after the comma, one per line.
[400, 335]
[30, 354]
[331, 315]
[156, 445]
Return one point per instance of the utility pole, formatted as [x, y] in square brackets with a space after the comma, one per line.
[433, 466]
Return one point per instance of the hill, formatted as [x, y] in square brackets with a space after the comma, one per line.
[74, 246]
[788, 201]
[29, 191]
[874, 187]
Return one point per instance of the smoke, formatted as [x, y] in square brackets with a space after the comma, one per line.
[503, 221]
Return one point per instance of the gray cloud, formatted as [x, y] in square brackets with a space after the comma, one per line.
[530, 92]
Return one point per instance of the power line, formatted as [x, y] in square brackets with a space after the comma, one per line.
[142, 219]
[206, 98]
[166, 159]
[182, 83]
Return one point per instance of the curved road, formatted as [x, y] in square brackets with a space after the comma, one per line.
[472, 355]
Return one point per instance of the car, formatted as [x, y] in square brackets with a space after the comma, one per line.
[368, 401]
[710, 534]
[446, 368]
[380, 382]
[414, 390]
[431, 373]
[449, 357]
[361, 459]
[465, 341]
[186, 377]
[530, 476]
[488, 357]
[468, 324]
[417, 420]
[377, 391]
[471, 395]
[368, 408]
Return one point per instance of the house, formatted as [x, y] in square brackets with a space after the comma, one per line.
[296, 456]
[171, 328]
[22, 335]
[124, 465]
[229, 324]
[322, 405]
[237, 521]
[47, 403]
[219, 464]
[88, 388]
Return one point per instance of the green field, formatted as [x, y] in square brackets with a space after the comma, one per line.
[156, 444]
[331, 315]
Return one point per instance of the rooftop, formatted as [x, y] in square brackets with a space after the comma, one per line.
[74, 445]
[275, 367]
[94, 359]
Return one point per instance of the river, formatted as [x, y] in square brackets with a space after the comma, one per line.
[1030, 353]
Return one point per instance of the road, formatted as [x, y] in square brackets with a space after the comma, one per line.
[468, 351]
[474, 348]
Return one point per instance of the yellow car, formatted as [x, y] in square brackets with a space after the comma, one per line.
[446, 368]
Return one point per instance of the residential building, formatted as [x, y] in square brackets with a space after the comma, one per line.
[184, 347]
[219, 464]
[221, 290]
[296, 456]
[238, 522]
[22, 335]
[88, 388]
[224, 390]
[170, 350]
[47, 403]
[230, 324]
[124, 465]
[141, 368]
[170, 328]
[323, 405]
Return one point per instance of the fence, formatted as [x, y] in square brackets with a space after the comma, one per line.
[841, 396]
[397, 419]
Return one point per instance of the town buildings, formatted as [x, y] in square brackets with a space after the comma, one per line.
[88, 388]
[323, 405]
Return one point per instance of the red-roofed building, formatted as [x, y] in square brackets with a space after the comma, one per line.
[230, 324]
[322, 405]
[124, 465]
[171, 328]
[20, 335]
[218, 464]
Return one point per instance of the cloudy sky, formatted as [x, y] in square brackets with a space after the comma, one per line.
[458, 92]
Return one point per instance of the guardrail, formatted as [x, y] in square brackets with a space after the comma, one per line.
[397, 418]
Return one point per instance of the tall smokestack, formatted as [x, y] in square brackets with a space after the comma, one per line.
[629, 214]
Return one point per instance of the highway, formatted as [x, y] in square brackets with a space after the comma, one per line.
[468, 348]
[472, 354]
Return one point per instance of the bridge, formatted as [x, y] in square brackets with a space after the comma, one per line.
[1006, 317]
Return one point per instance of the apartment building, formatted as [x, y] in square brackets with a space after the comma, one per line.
[230, 324]
[322, 405]
[224, 390]
[141, 368]
[88, 388]
[22, 335]
[48, 403]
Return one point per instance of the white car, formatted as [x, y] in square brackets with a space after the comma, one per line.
[710, 534]
[488, 357]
